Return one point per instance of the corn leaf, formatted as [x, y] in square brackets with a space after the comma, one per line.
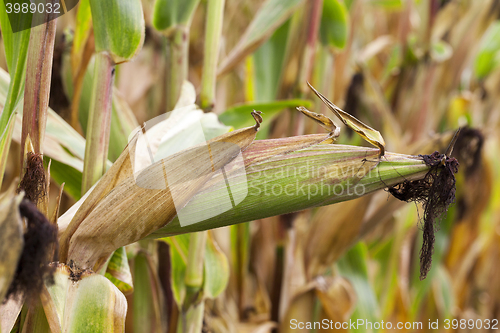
[179, 246]
[16, 51]
[268, 61]
[237, 115]
[271, 15]
[35, 319]
[170, 13]
[488, 57]
[118, 28]
[353, 266]
[83, 29]
[334, 24]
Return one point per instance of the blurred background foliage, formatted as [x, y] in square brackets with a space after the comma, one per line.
[414, 69]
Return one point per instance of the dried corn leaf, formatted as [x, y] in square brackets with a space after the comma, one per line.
[366, 132]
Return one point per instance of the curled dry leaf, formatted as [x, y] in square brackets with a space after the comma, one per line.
[366, 132]
[322, 120]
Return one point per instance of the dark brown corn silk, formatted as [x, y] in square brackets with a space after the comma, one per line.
[467, 151]
[436, 192]
[353, 98]
[40, 246]
[34, 183]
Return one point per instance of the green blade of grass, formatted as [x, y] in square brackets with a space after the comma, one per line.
[334, 24]
[270, 16]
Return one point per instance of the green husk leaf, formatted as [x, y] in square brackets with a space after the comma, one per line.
[82, 301]
[216, 274]
[118, 271]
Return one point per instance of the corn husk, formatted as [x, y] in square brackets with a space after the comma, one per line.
[324, 174]
[87, 303]
[93, 233]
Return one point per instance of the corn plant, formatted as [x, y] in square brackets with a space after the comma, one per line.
[191, 181]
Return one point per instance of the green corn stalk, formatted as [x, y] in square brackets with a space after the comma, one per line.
[38, 75]
[119, 35]
[173, 19]
[193, 307]
[215, 16]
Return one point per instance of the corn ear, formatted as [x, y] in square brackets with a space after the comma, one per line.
[316, 176]
[87, 303]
